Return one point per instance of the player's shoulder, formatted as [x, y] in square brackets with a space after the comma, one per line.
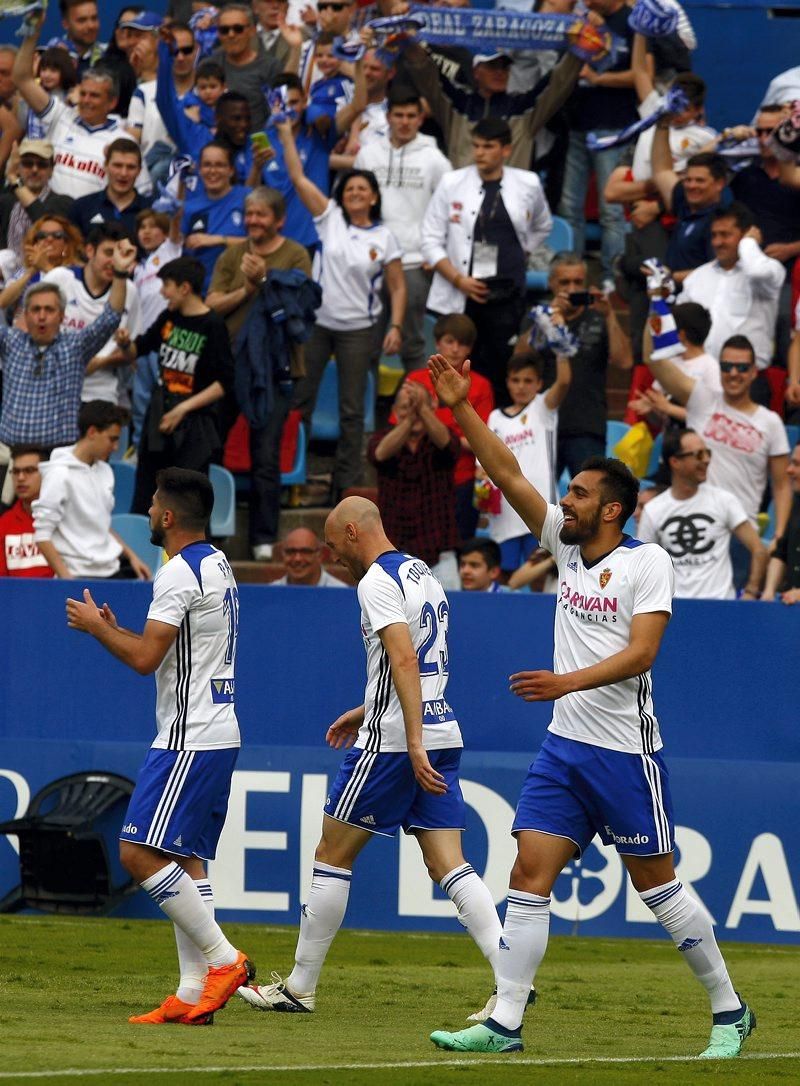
[398, 569]
[197, 565]
[640, 555]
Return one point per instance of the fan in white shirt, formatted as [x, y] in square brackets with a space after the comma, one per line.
[693, 521]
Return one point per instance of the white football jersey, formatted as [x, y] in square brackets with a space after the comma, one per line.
[195, 684]
[79, 150]
[696, 534]
[594, 608]
[399, 588]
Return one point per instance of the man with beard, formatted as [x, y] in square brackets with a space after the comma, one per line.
[599, 769]
[178, 807]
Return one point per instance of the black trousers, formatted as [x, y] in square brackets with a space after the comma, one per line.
[498, 325]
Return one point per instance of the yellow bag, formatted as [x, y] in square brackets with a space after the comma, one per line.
[635, 447]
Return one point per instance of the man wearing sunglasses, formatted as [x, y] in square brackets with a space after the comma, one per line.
[249, 70]
[28, 197]
[334, 17]
[694, 521]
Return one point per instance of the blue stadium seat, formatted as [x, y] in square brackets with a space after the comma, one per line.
[223, 517]
[793, 435]
[297, 476]
[615, 431]
[561, 237]
[325, 420]
[134, 529]
[124, 443]
[124, 480]
[655, 457]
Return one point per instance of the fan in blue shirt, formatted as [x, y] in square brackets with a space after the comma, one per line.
[213, 215]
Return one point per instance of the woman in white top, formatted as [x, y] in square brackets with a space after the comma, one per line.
[356, 252]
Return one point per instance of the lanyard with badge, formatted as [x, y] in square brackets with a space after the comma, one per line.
[484, 255]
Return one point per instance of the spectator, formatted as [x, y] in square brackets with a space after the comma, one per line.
[28, 175]
[357, 251]
[116, 54]
[57, 74]
[302, 555]
[335, 17]
[528, 428]
[81, 23]
[328, 94]
[87, 290]
[373, 123]
[209, 86]
[748, 441]
[454, 337]
[19, 555]
[740, 289]
[792, 393]
[72, 515]
[784, 88]
[783, 572]
[213, 215]
[479, 566]
[694, 521]
[237, 278]
[248, 69]
[408, 167]
[603, 102]
[270, 18]
[414, 460]
[184, 65]
[52, 242]
[144, 122]
[79, 135]
[481, 226]
[583, 415]
[119, 201]
[196, 368]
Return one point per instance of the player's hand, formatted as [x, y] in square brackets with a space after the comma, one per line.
[539, 685]
[344, 730]
[427, 777]
[109, 617]
[452, 387]
[85, 616]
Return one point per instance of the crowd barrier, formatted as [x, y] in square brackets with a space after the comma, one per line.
[724, 691]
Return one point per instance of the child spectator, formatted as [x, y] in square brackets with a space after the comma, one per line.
[528, 427]
[19, 555]
[479, 566]
[209, 86]
[333, 90]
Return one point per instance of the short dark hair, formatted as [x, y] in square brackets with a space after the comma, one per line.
[618, 484]
[493, 129]
[160, 218]
[59, 60]
[673, 439]
[739, 343]
[65, 5]
[188, 494]
[181, 26]
[372, 181]
[487, 548]
[714, 163]
[693, 86]
[106, 231]
[739, 212]
[184, 269]
[458, 325]
[289, 80]
[694, 320]
[230, 98]
[402, 96]
[209, 69]
[122, 145]
[101, 414]
[325, 37]
[28, 450]
[526, 360]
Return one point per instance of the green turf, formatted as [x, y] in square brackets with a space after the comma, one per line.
[67, 987]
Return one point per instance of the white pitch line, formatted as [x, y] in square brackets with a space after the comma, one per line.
[517, 1061]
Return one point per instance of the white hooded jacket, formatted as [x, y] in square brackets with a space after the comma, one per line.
[73, 511]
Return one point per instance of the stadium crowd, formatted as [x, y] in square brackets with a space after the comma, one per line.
[198, 215]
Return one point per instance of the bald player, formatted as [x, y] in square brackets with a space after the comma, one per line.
[406, 745]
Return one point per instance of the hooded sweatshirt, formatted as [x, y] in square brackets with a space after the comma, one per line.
[407, 177]
[73, 511]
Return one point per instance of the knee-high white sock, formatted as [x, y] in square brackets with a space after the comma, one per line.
[476, 909]
[191, 962]
[320, 919]
[693, 934]
[177, 895]
[525, 932]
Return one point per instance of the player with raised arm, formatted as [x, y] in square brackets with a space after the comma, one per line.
[178, 807]
[599, 769]
[403, 768]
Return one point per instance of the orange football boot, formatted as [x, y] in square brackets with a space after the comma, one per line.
[171, 1012]
[220, 984]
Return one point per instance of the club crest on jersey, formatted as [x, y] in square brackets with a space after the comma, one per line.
[373, 254]
[605, 577]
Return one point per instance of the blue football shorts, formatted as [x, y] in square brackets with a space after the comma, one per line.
[379, 792]
[180, 801]
[576, 790]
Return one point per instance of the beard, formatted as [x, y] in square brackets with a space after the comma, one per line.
[582, 530]
[157, 537]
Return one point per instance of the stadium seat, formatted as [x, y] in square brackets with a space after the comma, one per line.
[297, 476]
[792, 435]
[134, 529]
[124, 480]
[124, 443]
[563, 482]
[655, 457]
[325, 420]
[615, 431]
[561, 237]
[223, 517]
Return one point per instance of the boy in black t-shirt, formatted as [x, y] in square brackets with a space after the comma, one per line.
[195, 367]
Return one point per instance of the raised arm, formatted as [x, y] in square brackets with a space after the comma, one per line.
[22, 72]
[143, 654]
[315, 199]
[662, 164]
[498, 462]
[357, 104]
[554, 397]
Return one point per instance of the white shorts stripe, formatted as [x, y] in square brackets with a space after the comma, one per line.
[344, 807]
[653, 777]
[169, 798]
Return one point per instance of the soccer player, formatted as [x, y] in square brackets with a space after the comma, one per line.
[599, 769]
[403, 770]
[178, 807]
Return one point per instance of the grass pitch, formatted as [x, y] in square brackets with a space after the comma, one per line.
[609, 1012]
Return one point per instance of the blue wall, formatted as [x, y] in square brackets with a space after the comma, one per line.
[723, 690]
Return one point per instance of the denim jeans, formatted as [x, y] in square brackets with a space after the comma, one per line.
[145, 380]
[580, 163]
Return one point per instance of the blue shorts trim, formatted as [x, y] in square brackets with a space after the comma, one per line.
[576, 790]
[378, 792]
[180, 801]
[515, 551]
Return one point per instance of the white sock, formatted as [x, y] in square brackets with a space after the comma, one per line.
[192, 963]
[177, 894]
[476, 909]
[693, 934]
[524, 942]
[320, 919]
